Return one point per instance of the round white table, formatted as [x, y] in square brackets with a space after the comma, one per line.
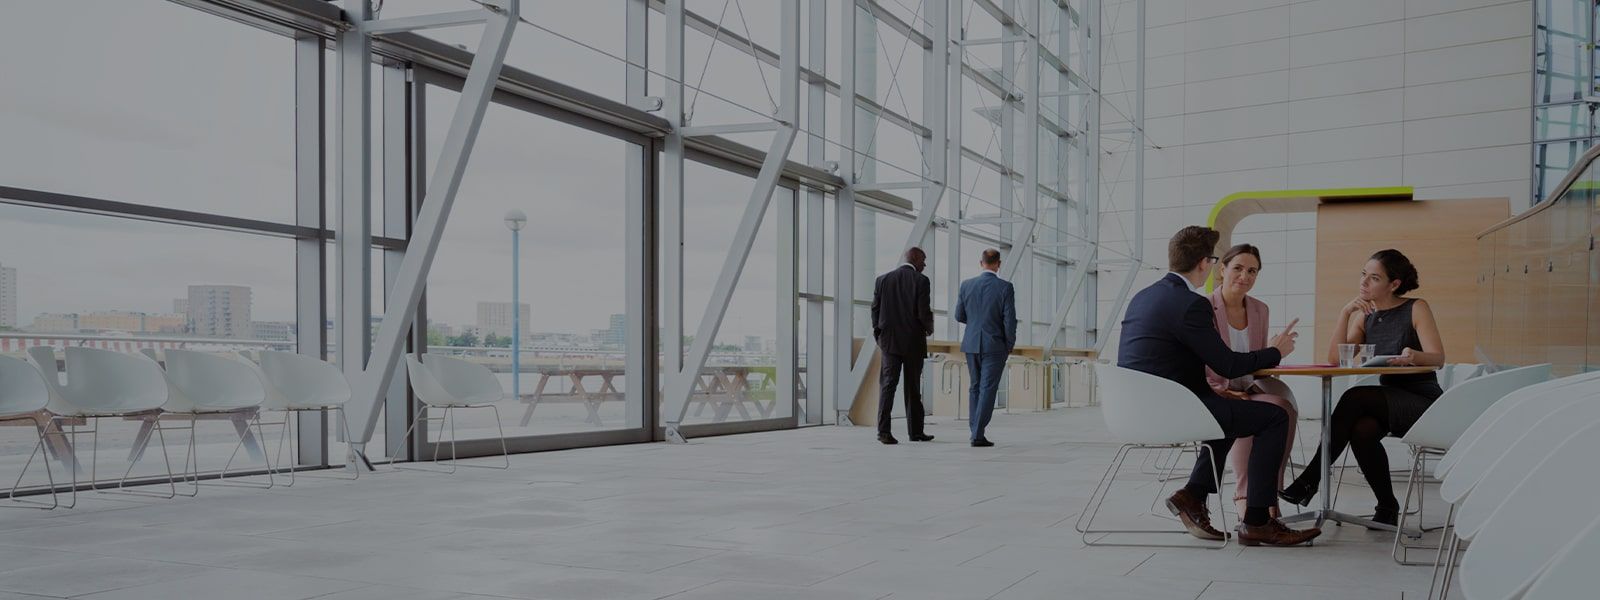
[1326, 513]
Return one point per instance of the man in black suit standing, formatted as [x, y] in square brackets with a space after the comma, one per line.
[902, 320]
[1170, 331]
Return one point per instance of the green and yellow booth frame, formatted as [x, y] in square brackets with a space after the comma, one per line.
[1233, 208]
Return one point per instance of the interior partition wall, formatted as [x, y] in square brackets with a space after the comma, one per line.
[1539, 280]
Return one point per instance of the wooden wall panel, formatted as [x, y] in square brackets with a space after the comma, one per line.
[1440, 238]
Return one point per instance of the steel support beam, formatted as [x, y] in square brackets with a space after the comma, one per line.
[353, 246]
[705, 130]
[954, 118]
[310, 177]
[1103, 335]
[787, 357]
[1022, 251]
[671, 210]
[995, 40]
[411, 278]
[844, 262]
[1089, 207]
[402, 174]
[816, 221]
[923, 184]
[423, 22]
[641, 337]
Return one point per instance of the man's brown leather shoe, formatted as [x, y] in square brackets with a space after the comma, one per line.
[1275, 533]
[1194, 514]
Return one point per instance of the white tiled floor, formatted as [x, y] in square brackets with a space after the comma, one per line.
[820, 513]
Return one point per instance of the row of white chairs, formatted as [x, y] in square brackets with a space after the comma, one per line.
[105, 384]
[1520, 483]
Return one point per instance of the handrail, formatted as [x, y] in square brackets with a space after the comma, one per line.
[1561, 190]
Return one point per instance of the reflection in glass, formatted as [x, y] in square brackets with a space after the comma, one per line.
[1561, 121]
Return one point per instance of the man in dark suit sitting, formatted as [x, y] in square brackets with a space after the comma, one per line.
[902, 320]
[1169, 331]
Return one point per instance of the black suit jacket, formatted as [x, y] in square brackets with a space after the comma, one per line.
[902, 311]
[1171, 332]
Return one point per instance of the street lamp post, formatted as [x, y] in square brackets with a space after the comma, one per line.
[515, 221]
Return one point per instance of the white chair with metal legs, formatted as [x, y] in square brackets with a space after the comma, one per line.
[1571, 574]
[1528, 530]
[1147, 412]
[1442, 424]
[448, 384]
[23, 397]
[1507, 471]
[296, 384]
[1500, 426]
[101, 384]
[1490, 421]
[1472, 460]
[209, 385]
[1455, 374]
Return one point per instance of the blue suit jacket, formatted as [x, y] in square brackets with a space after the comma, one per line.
[988, 307]
[1171, 332]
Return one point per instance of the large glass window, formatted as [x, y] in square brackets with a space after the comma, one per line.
[738, 381]
[572, 312]
[161, 143]
[1564, 76]
[119, 113]
[135, 286]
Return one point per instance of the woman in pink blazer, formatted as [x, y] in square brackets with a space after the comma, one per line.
[1242, 323]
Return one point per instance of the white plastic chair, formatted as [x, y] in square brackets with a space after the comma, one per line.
[1490, 437]
[1502, 477]
[1491, 417]
[100, 384]
[201, 384]
[1534, 523]
[448, 384]
[1442, 424]
[1496, 429]
[1571, 574]
[23, 397]
[1455, 373]
[296, 384]
[1147, 412]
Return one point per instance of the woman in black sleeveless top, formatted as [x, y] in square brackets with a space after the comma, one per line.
[1381, 315]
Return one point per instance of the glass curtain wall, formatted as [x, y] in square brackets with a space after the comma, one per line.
[197, 189]
[1564, 83]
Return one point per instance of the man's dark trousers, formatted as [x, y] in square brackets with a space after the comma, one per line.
[1267, 423]
[888, 377]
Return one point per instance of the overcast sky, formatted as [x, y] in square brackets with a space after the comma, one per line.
[155, 103]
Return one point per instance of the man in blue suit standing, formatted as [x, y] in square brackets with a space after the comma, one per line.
[1170, 331]
[988, 307]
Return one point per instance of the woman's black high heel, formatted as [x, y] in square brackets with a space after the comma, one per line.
[1387, 515]
[1298, 494]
